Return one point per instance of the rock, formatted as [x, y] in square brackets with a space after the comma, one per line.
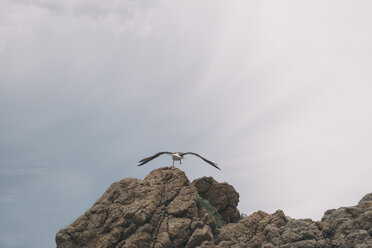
[138, 213]
[366, 199]
[344, 227]
[350, 226]
[255, 230]
[161, 211]
[222, 196]
[199, 236]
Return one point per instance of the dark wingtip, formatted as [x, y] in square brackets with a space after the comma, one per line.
[216, 166]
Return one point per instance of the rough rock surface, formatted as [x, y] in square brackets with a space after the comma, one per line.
[350, 226]
[222, 196]
[344, 227]
[161, 211]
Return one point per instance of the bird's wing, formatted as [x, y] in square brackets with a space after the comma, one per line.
[148, 159]
[206, 160]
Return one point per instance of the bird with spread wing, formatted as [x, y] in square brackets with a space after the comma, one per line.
[176, 156]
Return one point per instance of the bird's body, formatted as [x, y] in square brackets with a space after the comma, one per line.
[176, 156]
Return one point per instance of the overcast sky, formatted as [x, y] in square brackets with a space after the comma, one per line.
[278, 93]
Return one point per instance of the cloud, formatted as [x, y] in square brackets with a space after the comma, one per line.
[23, 171]
[114, 16]
[8, 240]
[9, 198]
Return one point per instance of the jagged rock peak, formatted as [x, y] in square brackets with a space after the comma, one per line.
[165, 210]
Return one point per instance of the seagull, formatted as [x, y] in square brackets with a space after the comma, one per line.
[176, 156]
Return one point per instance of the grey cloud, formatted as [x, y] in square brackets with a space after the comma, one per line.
[93, 8]
[8, 198]
[22, 171]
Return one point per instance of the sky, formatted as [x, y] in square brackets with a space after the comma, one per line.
[278, 93]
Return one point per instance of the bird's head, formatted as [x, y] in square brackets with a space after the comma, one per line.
[178, 154]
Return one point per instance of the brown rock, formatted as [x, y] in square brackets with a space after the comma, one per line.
[156, 211]
[344, 227]
[222, 196]
[367, 199]
[350, 226]
[161, 211]
[199, 236]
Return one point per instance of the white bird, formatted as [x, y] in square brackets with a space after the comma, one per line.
[176, 156]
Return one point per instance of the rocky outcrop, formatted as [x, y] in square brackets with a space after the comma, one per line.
[344, 227]
[271, 230]
[166, 210]
[350, 226]
[159, 211]
[222, 196]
